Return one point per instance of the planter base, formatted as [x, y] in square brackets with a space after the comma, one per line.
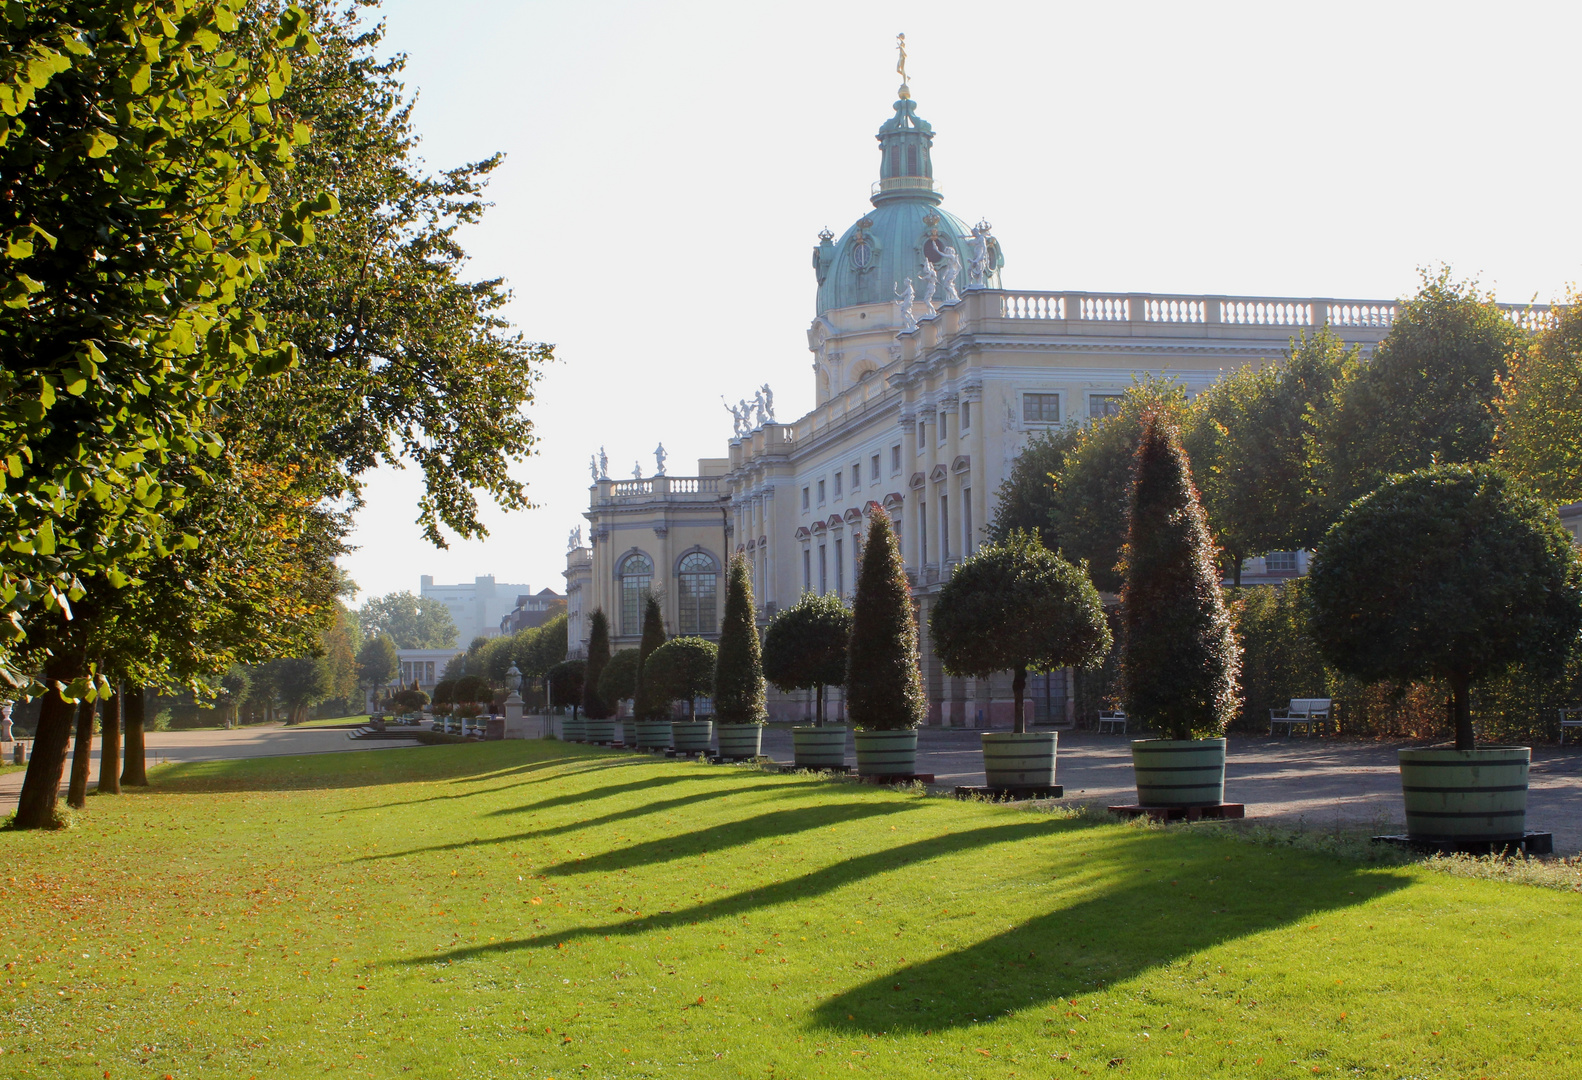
[835, 770]
[1533, 843]
[898, 778]
[1050, 791]
[1217, 812]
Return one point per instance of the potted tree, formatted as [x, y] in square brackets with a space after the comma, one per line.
[618, 683]
[805, 649]
[1453, 573]
[1180, 662]
[598, 711]
[739, 698]
[1017, 605]
[884, 688]
[650, 713]
[682, 669]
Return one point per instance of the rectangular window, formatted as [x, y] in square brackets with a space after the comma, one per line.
[944, 528]
[966, 415]
[1041, 408]
[873, 470]
[856, 475]
[966, 521]
[922, 436]
[943, 424]
[1102, 405]
[922, 534]
[821, 493]
[838, 478]
[840, 571]
[804, 498]
[823, 571]
[807, 570]
[895, 459]
[1280, 562]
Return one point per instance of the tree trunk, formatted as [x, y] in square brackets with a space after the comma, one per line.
[110, 747]
[1235, 570]
[818, 711]
[82, 753]
[1461, 710]
[134, 773]
[41, 786]
[1019, 688]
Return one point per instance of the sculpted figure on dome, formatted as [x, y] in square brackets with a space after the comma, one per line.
[930, 278]
[978, 256]
[905, 300]
[769, 402]
[948, 276]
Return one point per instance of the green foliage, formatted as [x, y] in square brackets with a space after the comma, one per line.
[1425, 397]
[1016, 605]
[301, 682]
[739, 692]
[805, 646]
[884, 687]
[471, 688]
[618, 680]
[1280, 660]
[1179, 657]
[377, 663]
[1540, 411]
[496, 659]
[1094, 486]
[1026, 498]
[566, 683]
[645, 704]
[410, 700]
[410, 621]
[445, 692]
[1452, 572]
[540, 648]
[594, 705]
[682, 669]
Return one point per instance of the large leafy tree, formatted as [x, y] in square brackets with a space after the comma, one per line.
[805, 646]
[884, 685]
[1016, 605]
[1026, 497]
[539, 649]
[1180, 661]
[378, 664]
[1540, 410]
[412, 622]
[566, 684]
[1452, 572]
[1425, 397]
[739, 696]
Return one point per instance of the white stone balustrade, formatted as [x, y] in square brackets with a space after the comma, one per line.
[1226, 310]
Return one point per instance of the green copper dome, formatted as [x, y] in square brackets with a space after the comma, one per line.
[906, 225]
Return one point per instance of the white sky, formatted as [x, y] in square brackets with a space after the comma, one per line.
[669, 165]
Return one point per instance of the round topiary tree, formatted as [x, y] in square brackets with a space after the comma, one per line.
[594, 705]
[411, 700]
[805, 646]
[618, 680]
[566, 683]
[884, 686]
[1452, 572]
[472, 688]
[444, 694]
[645, 706]
[682, 669]
[1180, 662]
[1017, 605]
[739, 694]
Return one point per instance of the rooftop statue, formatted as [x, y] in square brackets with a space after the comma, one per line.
[604, 465]
[659, 459]
[930, 278]
[979, 259]
[769, 402]
[947, 279]
[905, 300]
[574, 541]
[761, 408]
[593, 466]
[637, 470]
[738, 418]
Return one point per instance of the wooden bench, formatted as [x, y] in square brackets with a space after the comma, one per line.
[1116, 720]
[1569, 718]
[1312, 714]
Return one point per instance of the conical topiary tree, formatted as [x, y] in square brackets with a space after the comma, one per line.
[1017, 605]
[884, 687]
[647, 706]
[739, 694]
[594, 707]
[1180, 662]
[682, 669]
[805, 646]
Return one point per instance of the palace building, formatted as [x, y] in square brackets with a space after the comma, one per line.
[930, 376]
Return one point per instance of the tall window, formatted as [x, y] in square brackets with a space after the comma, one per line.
[856, 475]
[807, 570]
[699, 587]
[966, 415]
[873, 470]
[637, 578]
[943, 425]
[821, 493]
[922, 534]
[804, 498]
[944, 528]
[839, 476]
[922, 436]
[840, 571]
[895, 458]
[823, 571]
[967, 546]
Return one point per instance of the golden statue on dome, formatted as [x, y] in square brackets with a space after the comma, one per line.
[900, 65]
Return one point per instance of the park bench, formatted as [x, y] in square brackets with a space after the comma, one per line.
[1116, 721]
[1312, 714]
[1569, 718]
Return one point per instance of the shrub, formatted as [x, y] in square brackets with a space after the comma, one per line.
[410, 700]
[681, 669]
[595, 705]
[645, 705]
[739, 695]
[1451, 572]
[884, 688]
[1179, 657]
[472, 688]
[805, 646]
[618, 681]
[566, 683]
[1017, 605]
[444, 692]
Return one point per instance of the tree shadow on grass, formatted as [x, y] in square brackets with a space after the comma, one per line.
[1164, 897]
[582, 824]
[606, 791]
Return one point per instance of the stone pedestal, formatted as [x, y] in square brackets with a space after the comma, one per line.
[515, 722]
[5, 724]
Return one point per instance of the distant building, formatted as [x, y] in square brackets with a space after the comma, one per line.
[532, 610]
[1571, 518]
[417, 667]
[476, 608]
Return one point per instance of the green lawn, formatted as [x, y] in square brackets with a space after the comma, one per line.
[536, 909]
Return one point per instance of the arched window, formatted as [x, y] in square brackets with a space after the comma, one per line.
[699, 586]
[637, 578]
